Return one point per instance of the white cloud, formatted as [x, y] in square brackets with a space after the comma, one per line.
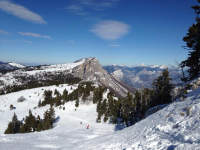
[27, 42]
[77, 9]
[21, 12]
[34, 35]
[114, 45]
[72, 41]
[47, 37]
[80, 7]
[110, 30]
[4, 32]
[18, 41]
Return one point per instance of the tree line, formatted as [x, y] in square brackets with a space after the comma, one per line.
[31, 123]
[32, 82]
[131, 109]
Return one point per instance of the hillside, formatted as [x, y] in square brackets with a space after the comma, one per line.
[9, 66]
[67, 133]
[88, 69]
[174, 127]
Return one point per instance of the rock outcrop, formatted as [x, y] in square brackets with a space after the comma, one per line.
[91, 70]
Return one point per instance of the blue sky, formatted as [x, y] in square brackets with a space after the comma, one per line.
[129, 32]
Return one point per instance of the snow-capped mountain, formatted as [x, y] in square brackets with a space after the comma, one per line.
[11, 65]
[91, 70]
[136, 76]
[88, 69]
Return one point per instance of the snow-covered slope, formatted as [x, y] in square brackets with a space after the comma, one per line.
[17, 65]
[176, 127]
[11, 78]
[11, 65]
[67, 133]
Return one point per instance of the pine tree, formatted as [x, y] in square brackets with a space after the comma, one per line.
[46, 121]
[65, 94]
[105, 117]
[128, 110]
[192, 40]
[51, 115]
[30, 123]
[39, 103]
[13, 126]
[163, 88]
[77, 103]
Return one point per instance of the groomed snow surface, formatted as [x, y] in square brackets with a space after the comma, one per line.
[176, 127]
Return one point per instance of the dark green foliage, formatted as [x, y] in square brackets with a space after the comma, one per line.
[105, 117]
[58, 100]
[39, 103]
[77, 103]
[31, 124]
[47, 97]
[98, 94]
[13, 126]
[128, 110]
[192, 40]
[163, 88]
[34, 82]
[65, 94]
[49, 117]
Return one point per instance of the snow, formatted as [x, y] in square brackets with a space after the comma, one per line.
[67, 133]
[8, 78]
[57, 67]
[177, 126]
[119, 74]
[166, 129]
[17, 65]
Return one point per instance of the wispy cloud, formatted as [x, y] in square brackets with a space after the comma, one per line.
[34, 35]
[21, 12]
[17, 41]
[99, 4]
[81, 7]
[110, 30]
[4, 32]
[72, 41]
[77, 9]
[114, 45]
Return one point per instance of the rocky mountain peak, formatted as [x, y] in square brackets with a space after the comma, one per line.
[91, 70]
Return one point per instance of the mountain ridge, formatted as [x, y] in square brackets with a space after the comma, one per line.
[10, 65]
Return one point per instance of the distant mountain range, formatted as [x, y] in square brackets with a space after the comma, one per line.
[88, 69]
[136, 76]
[10, 65]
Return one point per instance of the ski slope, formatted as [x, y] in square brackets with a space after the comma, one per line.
[176, 127]
[67, 133]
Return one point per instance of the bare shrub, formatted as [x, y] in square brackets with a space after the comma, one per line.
[182, 114]
[21, 99]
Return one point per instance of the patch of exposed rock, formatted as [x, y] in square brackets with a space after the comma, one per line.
[91, 70]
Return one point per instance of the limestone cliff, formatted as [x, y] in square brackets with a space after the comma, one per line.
[91, 70]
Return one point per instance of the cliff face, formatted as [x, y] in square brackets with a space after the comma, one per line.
[91, 70]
